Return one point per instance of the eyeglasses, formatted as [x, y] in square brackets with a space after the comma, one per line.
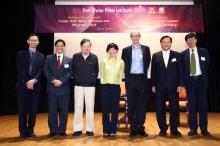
[191, 40]
[33, 40]
[135, 36]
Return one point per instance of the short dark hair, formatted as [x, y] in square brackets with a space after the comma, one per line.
[166, 36]
[112, 45]
[60, 40]
[33, 35]
[190, 35]
[84, 41]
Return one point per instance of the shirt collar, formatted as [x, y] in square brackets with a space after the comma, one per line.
[115, 60]
[139, 47]
[31, 50]
[167, 52]
[61, 55]
[195, 49]
[85, 55]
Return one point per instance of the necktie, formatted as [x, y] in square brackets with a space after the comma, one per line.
[58, 62]
[193, 64]
[165, 59]
[31, 62]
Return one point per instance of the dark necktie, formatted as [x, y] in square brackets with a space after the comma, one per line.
[193, 64]
[31, 62]
[58, 62]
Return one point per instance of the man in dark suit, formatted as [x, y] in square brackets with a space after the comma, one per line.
[137, 59]
[167, 81]
[195, 62]
[58, 71]
[30, 66]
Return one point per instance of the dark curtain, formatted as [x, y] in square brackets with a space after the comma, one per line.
[210, 40]
[18, 23]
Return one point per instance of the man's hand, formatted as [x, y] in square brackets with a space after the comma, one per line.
[30, 84]
[57, 83]
[179, 89]
[154, 89]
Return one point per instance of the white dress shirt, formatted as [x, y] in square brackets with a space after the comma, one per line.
[167, 54]
[61, 58]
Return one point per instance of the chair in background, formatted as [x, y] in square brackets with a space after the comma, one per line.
[123, 105]
[183, 103]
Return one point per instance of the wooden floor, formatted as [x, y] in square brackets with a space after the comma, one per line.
[9, 133]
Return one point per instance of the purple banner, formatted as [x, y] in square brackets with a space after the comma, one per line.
[118, 18]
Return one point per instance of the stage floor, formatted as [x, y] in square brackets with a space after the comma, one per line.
[9, 133]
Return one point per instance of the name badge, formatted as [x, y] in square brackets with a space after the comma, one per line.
[141, 55]
[66, 65]
[107, 67]
[203, 58]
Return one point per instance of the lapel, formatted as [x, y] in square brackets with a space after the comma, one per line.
[170, 58]
[187, 59]
[144, 56]
[161, 58]
[130, 53]
[63, 62]
[130, 56]
[199, 57]
[54, 62]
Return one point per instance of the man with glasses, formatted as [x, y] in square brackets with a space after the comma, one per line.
[195, 62]
[30, 66]
[137, 59]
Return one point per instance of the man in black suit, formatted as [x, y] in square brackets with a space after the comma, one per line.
[195, 62]
[167, 81]
[137, 59]
[58, 71]
[30, 66]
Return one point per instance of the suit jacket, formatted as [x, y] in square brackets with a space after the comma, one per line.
[127, 58]
[63, 74]
[204, 61]
[23, 64]
[169, 77]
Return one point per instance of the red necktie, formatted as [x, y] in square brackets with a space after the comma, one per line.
[58, 62]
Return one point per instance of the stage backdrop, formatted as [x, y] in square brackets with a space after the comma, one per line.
[118, 18]
[156, 13]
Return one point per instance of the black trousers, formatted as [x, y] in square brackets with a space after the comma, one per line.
[58, 104]
[27, 109]
[197, 102]
[136, 97]
[161, 96]
[110, 103]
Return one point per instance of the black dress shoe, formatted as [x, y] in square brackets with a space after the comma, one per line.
[31, 135]
[163, 133]
[192, 132]
[51, 134]
[62, 134]
[22, 136]
[77, 133]
[205, 133]
[132, 134]
[89, 133]
[176, 133]
[143, 133]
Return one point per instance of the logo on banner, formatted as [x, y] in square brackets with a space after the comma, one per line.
[161, 10]
[151, 10]
[75, 10]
